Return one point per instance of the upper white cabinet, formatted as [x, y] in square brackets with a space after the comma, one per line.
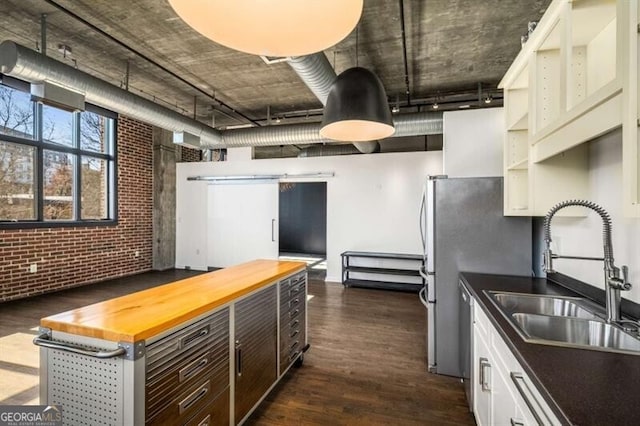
[575, 79]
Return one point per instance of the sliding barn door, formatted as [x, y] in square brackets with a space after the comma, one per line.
[242, 223]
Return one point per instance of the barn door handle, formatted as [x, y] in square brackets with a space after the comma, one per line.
[273, 230]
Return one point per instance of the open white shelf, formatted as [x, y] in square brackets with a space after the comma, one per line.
[575, 79]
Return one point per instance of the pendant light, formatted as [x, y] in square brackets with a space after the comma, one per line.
[357, 108]
[272, 27]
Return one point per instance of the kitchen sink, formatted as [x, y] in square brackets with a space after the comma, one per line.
[562, 321]
[577, 332]
[544, 305]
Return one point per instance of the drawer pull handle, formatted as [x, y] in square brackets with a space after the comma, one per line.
[194, 397]
[205, 421]
[194, 337]
[515, 422]
[294, 324]
[294, 290]
[484, 363]
[293, 356]
[238, 358]
[525, 392]
[294, 302]
[192, 368]
[294, 344]
[295, 333]
[292, 314]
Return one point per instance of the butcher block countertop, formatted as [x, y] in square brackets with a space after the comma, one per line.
[139, 316]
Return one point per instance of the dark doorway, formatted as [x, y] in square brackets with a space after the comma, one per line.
[303, 218]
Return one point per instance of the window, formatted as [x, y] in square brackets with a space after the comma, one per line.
[56, 166]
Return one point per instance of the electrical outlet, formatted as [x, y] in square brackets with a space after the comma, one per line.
[33, 268]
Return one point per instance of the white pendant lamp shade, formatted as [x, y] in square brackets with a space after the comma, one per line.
[357, 109]
[272, 27]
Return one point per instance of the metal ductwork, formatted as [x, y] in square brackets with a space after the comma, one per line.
[26, 64]
[411, 124]
[328, 150]
[318, 74]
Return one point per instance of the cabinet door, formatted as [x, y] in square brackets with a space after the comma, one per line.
[482, 380]
[256, 354]
[503, 402]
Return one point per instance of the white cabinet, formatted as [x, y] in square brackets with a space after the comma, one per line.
[481, 380]
[575, 79]
[503, 393]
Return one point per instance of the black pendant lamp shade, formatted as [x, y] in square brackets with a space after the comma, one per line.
[357, 109]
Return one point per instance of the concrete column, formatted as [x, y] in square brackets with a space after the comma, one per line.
[164, 200]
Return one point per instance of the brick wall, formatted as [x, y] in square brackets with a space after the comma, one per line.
[68, 257]
[189, 155]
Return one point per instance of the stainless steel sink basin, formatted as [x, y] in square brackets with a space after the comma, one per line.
[574, 332]
[544, 305]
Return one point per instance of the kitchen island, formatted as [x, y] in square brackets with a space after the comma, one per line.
[204, 350]
[578, 386]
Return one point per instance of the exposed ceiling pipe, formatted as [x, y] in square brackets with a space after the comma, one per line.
[148, 59]
[404, 53]
[318, 74]
[26, 64]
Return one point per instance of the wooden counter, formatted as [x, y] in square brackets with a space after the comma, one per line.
[144, 314]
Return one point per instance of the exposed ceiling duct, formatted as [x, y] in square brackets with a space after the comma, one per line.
[26, 64]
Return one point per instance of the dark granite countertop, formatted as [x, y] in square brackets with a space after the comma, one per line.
[582, 387]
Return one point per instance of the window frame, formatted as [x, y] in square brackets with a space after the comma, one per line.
[40, 146]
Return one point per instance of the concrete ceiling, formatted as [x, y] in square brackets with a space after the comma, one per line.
[452, 45]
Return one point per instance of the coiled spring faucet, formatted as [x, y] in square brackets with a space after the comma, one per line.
[614, 281]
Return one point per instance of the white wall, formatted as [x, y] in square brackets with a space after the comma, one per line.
[473, 142]
[372, 202]
[583, 236]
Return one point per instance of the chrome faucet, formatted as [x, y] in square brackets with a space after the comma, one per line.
[614, 281]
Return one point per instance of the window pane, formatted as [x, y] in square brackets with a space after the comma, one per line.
[94, 188]
[95, 132]
[58, 186]
[17, 201]
[57, 126]
[16, 113]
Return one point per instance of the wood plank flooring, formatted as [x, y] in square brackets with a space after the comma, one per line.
[366, 365]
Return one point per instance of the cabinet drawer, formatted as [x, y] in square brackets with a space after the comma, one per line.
[185, 405]
[190, 355]
[171, 349]
[215, 414]
[213, 364]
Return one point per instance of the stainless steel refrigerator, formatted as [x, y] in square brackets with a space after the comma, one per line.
[463, 229]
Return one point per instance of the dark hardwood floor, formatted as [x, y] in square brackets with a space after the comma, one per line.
[366, 365]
